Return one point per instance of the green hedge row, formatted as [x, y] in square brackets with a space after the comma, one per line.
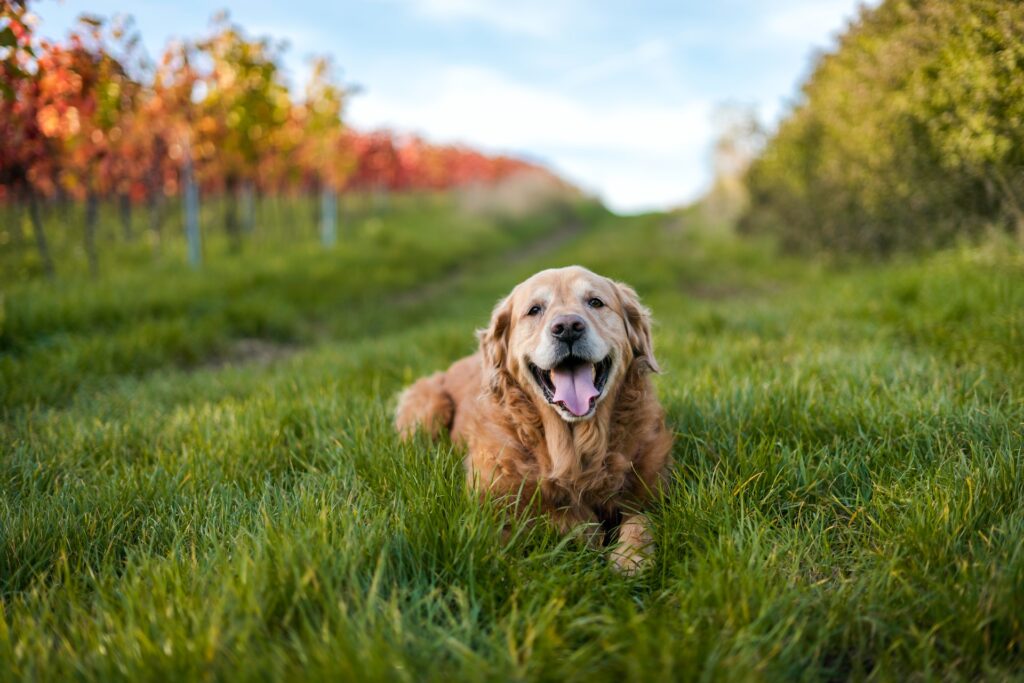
[907, 136]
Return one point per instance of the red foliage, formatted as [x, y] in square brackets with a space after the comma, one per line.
[73, 119]
[394, 163]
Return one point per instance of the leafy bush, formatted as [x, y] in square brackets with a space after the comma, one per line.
[909, 135]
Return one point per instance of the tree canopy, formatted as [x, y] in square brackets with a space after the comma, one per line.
[909, 134]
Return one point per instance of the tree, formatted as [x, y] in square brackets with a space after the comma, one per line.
[244, 104]
[322, 152]
[739, 140]
[26, 154]
[84, 93]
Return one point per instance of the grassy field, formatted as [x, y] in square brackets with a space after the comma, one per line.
[200, 480]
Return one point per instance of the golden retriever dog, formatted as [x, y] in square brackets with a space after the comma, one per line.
[557, 407]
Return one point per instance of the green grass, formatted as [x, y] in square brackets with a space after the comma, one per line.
[847, 499]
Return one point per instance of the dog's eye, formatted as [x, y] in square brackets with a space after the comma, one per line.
[595, 303]
[534, 310]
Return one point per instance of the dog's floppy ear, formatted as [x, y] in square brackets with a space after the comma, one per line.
[494, 344]
[638, 325]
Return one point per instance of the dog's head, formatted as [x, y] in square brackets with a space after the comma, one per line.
[568, 337]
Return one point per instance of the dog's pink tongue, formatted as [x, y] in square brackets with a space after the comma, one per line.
[575, 387]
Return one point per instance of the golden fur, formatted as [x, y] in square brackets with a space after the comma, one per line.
[598, 470]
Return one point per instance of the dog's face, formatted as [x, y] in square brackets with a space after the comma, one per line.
[568, 336]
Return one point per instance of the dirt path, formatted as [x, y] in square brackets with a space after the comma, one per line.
[262, 352]
[458, 275]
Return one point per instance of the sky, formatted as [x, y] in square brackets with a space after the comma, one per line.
[620, 97]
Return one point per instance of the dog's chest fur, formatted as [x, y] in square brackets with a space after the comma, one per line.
[587, 468]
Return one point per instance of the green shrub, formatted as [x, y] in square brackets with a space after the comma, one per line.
[909, 135]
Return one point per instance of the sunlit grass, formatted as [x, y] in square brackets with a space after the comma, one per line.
[847, 498]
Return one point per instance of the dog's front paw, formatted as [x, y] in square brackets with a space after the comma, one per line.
[635, 547]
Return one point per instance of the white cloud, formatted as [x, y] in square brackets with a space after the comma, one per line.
[636, 154]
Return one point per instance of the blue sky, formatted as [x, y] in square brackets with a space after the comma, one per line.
[619, 97]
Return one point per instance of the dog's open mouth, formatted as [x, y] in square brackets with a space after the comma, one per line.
[574, 384]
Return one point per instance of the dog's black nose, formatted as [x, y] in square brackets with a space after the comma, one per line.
[568, 328]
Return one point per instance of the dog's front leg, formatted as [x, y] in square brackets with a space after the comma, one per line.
[635, 547]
